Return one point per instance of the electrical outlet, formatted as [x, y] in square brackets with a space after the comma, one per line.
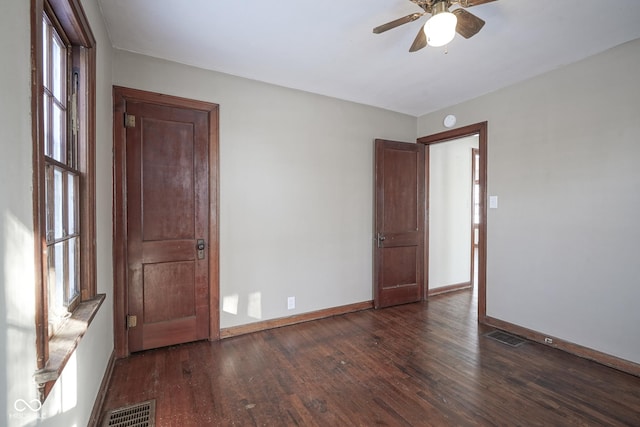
[548, 340]
[291, 303]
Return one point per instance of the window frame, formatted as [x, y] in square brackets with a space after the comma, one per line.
[68, 17]
[61, 167]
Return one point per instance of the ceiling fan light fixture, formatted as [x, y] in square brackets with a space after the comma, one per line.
[440, 29]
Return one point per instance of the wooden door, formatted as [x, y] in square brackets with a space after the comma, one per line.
[399, 223]
[167, 199]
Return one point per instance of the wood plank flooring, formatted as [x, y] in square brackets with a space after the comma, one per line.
[423, 364]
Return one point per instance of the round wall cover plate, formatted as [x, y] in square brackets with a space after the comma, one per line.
[450, 121]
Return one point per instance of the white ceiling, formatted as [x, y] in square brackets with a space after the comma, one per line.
[327, 47]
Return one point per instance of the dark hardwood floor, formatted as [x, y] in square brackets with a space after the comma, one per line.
[423, 364]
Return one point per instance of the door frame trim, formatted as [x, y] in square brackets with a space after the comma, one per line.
[122, 95]
[481, 129]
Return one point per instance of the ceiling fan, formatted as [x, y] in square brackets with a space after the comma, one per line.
[441, 27]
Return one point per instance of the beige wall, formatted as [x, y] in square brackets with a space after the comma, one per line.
[71, 400]
[296, 175]
[563, 156]
[17, 362]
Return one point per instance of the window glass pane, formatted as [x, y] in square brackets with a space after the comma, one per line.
[72, 203]
[47, 130]
[477, 171]
[58, 194]
[57, 309]
[73, 260]
[48, 194]
[45, 56]
[58, 69]
[58, 136]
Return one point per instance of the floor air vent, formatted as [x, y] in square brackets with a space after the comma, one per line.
[138, 415]
[505, 338]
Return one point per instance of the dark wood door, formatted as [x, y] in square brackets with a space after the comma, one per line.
[399, 223]
[167, 198]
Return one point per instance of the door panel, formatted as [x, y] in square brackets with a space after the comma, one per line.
[168, 171]
[168, 278]
[167, 212]
[399, 222]
[399, 266]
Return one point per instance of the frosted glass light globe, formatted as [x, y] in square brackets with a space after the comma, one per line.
[440, 29]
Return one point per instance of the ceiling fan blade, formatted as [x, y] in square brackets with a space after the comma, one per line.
[396, 23]
[470, 3]
[420, 41]
[468, 23]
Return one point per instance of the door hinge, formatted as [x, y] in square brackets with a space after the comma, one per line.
[129, 120]
[132, 321]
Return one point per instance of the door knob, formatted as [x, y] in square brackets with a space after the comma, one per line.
[381, 238]
[200, 248]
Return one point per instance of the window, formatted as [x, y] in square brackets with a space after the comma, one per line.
[62, 177]
[63, 103]
[475, 160]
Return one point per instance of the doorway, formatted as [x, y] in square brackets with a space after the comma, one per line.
[477, 244]
[165, 220]
[450, 198]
